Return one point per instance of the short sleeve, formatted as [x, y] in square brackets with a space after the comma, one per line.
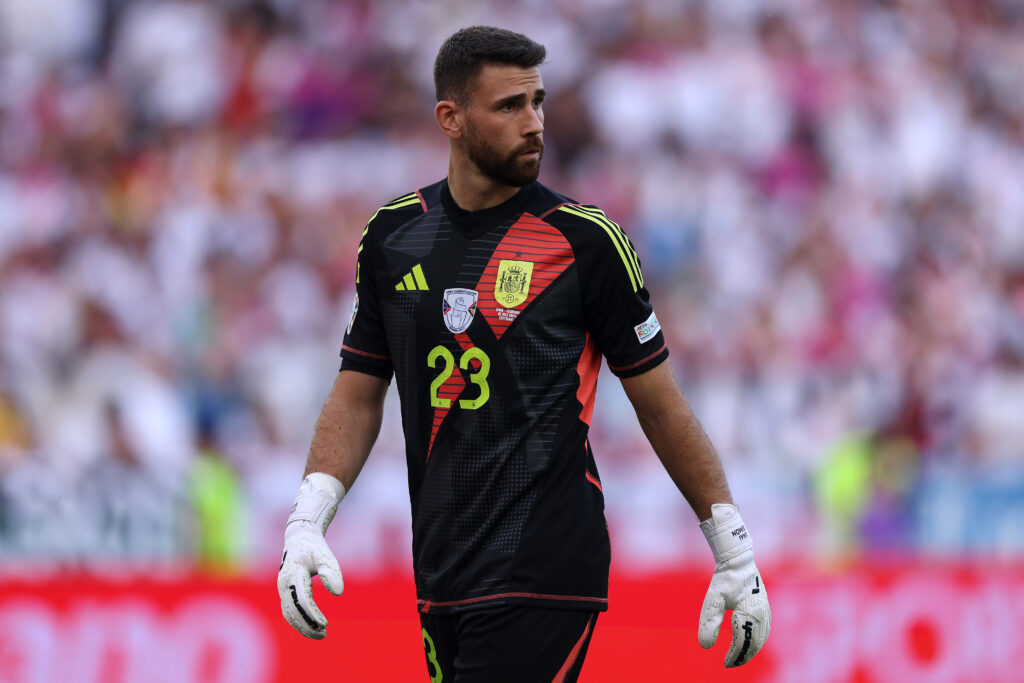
[365, 346]
[617, 308]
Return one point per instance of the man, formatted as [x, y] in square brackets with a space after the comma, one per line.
[491, 299]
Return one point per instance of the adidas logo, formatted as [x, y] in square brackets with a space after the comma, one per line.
[413, 281]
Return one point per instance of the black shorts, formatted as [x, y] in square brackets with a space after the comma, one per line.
[507, 643]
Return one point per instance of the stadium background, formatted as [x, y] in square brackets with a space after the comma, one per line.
[828, 200]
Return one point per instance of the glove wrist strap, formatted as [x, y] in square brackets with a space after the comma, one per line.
[726, 533]
[317, 500]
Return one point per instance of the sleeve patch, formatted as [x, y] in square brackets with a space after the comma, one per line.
[646, 330]
[355, 309]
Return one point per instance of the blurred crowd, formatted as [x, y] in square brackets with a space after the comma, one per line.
[827, 197]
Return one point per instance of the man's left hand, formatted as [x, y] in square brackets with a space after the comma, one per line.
[736, 585]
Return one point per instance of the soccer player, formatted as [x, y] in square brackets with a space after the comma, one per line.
[491, 299]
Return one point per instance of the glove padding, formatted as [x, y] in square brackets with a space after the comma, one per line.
[736, 585]
[306, 554]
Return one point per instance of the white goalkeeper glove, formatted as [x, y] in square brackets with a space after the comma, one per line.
[736, 585]
[306, 554]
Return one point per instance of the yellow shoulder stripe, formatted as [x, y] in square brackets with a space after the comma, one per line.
[401, 202]
[403, 198]
[363, 236]
[619, 239]
[397, 204]
[626, 244]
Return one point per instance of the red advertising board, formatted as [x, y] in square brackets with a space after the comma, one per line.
[899, 623]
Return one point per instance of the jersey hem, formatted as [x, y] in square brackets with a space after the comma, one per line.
[383, 371]
[575, 602]
[642, 365]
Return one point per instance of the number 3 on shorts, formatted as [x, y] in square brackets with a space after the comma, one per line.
[434, 668]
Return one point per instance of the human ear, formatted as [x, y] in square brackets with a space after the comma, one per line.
[449, 117]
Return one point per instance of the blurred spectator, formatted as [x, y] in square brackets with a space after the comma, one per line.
[216, 496]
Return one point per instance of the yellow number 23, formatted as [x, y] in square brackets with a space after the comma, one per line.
[478, 377]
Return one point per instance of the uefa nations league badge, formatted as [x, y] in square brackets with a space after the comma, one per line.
[458, 308]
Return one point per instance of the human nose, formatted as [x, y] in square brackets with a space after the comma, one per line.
[534, 122]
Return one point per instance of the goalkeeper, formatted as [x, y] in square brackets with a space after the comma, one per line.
[491, 300]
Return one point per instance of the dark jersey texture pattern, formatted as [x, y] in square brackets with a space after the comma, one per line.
[493, 324]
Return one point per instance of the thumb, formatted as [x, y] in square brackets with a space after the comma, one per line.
[748, 635]
[711, 614]
[330, 575]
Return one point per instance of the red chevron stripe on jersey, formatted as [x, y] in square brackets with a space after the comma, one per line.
[532, 240]
[588, 368]
[451, 390]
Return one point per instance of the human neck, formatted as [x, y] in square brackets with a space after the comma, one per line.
[473, 191]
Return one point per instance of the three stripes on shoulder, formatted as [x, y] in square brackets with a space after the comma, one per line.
[401, 202]
[622, 244]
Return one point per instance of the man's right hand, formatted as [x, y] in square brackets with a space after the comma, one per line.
[306, 555]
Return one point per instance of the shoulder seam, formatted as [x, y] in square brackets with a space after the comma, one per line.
[554, 208]
[402, 202]
[622, 244]
[403, 198]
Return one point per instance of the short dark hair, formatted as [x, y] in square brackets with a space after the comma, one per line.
[464, 54]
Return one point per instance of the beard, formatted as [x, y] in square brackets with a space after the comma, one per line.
[504, 168]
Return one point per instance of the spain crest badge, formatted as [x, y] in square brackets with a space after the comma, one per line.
[513, 284]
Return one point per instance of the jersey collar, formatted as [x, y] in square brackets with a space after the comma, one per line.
[475, 223]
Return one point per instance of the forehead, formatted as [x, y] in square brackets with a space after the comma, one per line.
[496, 81]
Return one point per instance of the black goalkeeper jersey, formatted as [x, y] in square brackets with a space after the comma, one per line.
[494, 323]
